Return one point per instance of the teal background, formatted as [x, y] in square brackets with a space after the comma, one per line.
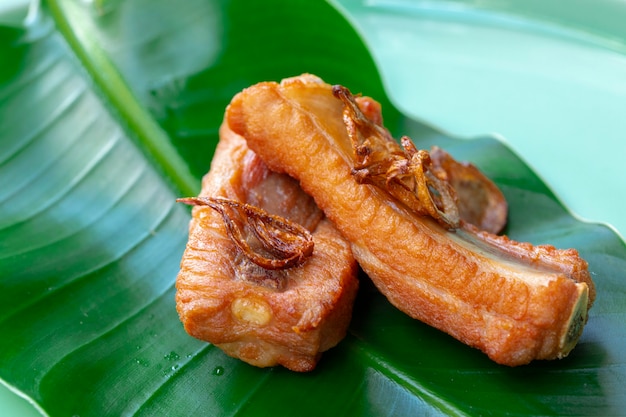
[546, 77]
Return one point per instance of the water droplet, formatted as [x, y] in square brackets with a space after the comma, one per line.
[218, 370]
[142, 362]
[172, 356]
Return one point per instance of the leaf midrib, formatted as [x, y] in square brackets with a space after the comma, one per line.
[138, 123]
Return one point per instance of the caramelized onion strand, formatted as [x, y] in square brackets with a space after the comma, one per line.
[404, 172]
[281, 244]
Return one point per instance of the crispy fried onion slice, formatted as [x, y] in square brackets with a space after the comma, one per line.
[270, 241]
[406, 173]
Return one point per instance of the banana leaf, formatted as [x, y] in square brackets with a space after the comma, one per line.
[109, 110]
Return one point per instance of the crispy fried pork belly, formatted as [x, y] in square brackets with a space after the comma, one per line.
[265, 276]
[514, 301]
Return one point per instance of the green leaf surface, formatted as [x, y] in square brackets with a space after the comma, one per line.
[109, 110]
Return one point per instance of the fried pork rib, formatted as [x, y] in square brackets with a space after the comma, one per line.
[265, 276]
[514, 301]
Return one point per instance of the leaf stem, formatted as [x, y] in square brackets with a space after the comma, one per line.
[149, 135]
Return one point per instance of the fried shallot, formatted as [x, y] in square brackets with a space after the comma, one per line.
[480, 201]
[514, 301]
[265, 276]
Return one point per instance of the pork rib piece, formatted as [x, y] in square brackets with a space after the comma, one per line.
[514, 301]
[262, 312]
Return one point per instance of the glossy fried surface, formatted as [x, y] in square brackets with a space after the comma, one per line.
[265, 317]
[514, 301]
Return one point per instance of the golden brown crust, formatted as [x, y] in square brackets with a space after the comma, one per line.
[222, 297]
[458, 281]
